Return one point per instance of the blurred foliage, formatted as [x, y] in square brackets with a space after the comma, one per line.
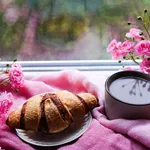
[19, 2]
[10, 38]
[63, 21]
[33, 4]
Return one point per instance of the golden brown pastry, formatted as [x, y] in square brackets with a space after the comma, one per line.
[51, 112]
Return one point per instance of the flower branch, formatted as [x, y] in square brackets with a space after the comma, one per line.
[12, 76]
[135, 47]
[133, 59]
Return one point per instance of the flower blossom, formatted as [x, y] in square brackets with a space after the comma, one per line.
[119, 49]
[145, 65]
[126, 47]
[113, 49]
[135, 34]
[112, 46]
[16, 77]
[6, 101]
[143, 48]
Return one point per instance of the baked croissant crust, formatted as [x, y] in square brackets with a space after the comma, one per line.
[51, 112]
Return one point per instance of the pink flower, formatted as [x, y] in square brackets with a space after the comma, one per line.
[143, 48]
[113, 48]
[145, 65]
[119, 49]
[126, 47]
[6, 101]
[16, 76]
[135, 34]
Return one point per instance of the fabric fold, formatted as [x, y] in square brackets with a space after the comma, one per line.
[119, 134]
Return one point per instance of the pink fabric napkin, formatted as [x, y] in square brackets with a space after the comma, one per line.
[119, 134]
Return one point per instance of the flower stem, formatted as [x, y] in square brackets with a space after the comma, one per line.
[146, 30]
[3, 81]
[132, 58]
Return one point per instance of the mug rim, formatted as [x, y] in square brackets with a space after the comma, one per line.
[109, 80]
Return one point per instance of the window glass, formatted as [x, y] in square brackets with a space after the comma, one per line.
[64, 29]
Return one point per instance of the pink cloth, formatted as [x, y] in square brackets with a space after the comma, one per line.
[119, 134]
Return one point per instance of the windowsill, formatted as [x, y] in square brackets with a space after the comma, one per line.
[102, 67]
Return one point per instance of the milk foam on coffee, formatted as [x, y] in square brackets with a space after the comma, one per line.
[132, 90]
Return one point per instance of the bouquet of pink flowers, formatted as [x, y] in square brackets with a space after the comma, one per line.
[136, 45]
[11, 76]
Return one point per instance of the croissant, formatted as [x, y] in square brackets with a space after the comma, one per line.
[51, 112]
